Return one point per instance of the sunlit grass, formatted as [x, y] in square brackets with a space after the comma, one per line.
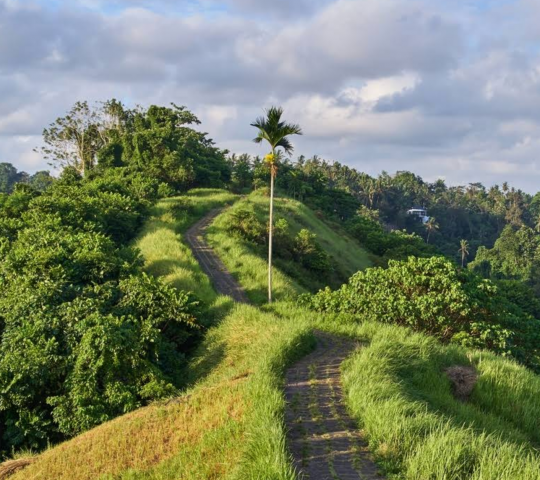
[250, 266]
[398, 392]
[162, 245]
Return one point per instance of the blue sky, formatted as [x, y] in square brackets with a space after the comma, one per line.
[443, 88]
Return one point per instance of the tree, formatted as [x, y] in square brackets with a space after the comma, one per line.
[275, 131]
[9, 176]
[431, 226]
[41, 180]
[464, 250]
[74, 140]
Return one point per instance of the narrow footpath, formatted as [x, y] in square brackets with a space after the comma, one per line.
[224, 283]
[324, 441]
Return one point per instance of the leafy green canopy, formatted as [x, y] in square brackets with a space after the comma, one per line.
[158, 142]
[433, 296]
[515, 255]
[84, 334]
[10, 177]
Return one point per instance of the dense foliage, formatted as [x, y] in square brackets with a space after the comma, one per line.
[515, 255]
[433, 296]
[158, 142]
[85, 335]
[10, 177]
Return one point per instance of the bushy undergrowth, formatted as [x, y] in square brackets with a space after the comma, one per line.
[84, 334]
[433, 296]
[397, 244]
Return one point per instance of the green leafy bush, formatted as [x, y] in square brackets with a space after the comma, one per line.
[84, 335]
[432, 295]
[397, 245]
[309, 253]
[246, 224]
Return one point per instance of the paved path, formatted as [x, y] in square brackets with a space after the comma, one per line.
[223, 281]
[324, 441]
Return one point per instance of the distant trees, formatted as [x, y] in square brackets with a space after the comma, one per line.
[10, 177]
[273, 130]
[515, 255]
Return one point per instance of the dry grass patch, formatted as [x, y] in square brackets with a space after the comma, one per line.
[10, 467]
[147, 437]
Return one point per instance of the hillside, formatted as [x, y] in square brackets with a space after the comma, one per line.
[229, 423]
[247, 259]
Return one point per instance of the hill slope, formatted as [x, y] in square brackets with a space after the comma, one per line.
[230, 425]
[248, 261]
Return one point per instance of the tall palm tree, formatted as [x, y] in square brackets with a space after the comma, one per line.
[431, 226]
[464, 250]
[275, 131]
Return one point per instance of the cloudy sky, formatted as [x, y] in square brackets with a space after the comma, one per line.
[447, 89]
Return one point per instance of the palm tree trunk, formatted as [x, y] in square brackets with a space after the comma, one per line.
[270, 234]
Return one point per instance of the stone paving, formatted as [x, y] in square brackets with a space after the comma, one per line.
[323, 439]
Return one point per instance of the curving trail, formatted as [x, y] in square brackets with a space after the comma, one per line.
[324, 441]
[223, 281]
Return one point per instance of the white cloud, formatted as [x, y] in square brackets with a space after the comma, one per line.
[440, 88]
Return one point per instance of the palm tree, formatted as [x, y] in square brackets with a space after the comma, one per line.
[464, 250]
[431, 225]
[275, 131]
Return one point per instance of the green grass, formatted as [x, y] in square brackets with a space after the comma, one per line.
[249, 265]
[228, 425]
[161, 242]
[400, 396]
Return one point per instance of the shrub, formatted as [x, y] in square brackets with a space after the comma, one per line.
[244, 222]
[432, 295]
[308, 252]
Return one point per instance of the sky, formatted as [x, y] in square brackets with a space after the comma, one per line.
[444, 88]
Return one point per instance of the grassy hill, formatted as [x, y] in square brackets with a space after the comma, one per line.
[248, 263]
[229, 423]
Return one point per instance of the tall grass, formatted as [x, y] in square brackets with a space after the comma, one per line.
[398, 392]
